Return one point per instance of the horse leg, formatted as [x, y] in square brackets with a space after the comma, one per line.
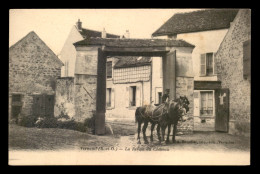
[168, 135]
[158, 133]
[144, 130]
[139, 130]
[174, 133]
[152, 128]
[163, 132]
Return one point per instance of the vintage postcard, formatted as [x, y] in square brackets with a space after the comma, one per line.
[129, 86]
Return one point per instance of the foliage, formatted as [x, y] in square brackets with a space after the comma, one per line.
[73, 125]
[90, 123]
[27, 121]
[47, 122]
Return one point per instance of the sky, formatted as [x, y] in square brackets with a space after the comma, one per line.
[54, 25]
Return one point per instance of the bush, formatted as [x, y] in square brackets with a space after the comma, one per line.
[27, 121]
[72, 125]
[63, 116]
[47, 122]
[90, 123]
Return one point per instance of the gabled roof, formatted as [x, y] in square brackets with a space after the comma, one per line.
[87, 33]
[132, 61]
[133, 43]
[31, 35]
[202, 20]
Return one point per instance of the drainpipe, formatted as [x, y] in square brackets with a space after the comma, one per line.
[142, 92]
[151, 81]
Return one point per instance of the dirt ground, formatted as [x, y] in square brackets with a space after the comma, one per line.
[21, 138]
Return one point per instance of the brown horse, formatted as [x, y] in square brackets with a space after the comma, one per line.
[173, 116]
[157, 115]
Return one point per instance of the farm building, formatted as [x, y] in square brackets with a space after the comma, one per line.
[33, 70]
[233, 63]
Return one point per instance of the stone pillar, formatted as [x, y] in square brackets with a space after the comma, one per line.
[101, 94]
[169, 74]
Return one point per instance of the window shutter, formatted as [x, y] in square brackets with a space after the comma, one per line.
[247, 59]
[113, 98]
[138, 96]
[214, 64]
[107, 96]
[127, 97]
[196, 101]
[203, 64]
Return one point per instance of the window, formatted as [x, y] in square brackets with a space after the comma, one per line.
[247, 59]
[133, 96]
[108, 97]
[79, 79]
[109, 69]
[159, 97]
[16, 97]
[207, 64]
[206, 108]
[66, 68]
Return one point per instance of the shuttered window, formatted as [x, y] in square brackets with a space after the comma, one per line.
[108, 97]
[207, 64]
[109, 69]
[132, 96]
[203, 64]
[247, 59]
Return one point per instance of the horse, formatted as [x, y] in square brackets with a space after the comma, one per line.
[146, 114]
[156, 115]
[173, 116]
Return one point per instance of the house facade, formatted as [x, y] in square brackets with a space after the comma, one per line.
[206, 30]
[132, 82]
[68, 51]
[233, 63]
[33, 70]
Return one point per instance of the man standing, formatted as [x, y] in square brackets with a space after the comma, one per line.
[165, 95]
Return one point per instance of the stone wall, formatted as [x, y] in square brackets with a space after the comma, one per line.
[85, 98]
[229, 60]
[64, 97]
[185, 86]
[33, 68]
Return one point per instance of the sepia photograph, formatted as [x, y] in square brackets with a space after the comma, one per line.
[129, 86]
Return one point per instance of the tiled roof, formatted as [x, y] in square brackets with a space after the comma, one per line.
[86, 33]
[201, 20]
[134, 43]
[132, 61]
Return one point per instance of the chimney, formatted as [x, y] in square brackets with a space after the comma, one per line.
[127, 34]
[104, 33]
[79, 25]
[174, 36]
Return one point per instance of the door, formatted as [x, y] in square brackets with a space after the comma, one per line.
[38, 105]
[49, 105]
[43, 105]
[222, 110]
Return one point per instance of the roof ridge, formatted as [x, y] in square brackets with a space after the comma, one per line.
[32, 32]
[23, 39]
[195, 21]
[98, 31]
